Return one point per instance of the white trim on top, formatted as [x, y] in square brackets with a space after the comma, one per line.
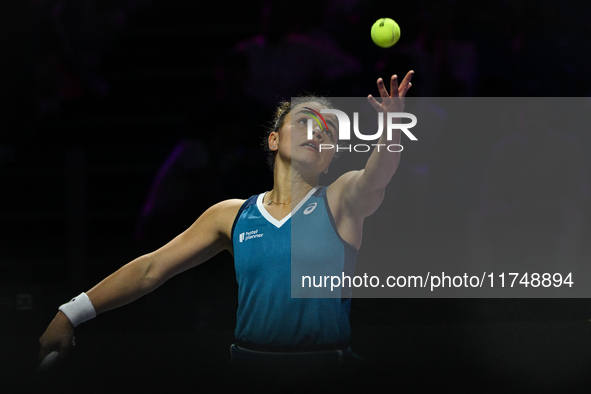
[271, 219]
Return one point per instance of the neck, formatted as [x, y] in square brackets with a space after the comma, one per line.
[289, 186]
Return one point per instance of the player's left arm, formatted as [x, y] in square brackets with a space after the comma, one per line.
[361, 192]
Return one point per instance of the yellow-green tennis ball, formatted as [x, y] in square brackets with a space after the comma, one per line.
[385, 32]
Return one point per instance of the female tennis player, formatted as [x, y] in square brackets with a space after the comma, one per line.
[271, 326]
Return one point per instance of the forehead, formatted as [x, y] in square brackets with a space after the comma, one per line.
[311, 104]
[316, 106]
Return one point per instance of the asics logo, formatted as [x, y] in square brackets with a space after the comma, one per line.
[310, 208]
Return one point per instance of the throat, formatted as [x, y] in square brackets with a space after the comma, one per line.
[278, 212]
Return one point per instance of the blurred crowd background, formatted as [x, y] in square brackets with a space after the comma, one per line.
[122, 120]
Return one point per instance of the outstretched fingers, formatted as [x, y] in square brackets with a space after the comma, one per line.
[394, 86]
[374, 103]
[382, 88]
[406, 84]
[396, 91]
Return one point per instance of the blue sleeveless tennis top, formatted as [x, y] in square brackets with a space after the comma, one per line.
[266, 250]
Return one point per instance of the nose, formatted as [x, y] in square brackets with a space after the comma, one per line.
[317, 131]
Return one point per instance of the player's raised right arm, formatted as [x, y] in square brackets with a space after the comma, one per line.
[207, 236]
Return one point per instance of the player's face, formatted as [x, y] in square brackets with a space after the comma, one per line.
[313, 154]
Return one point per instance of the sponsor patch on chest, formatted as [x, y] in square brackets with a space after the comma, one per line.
[250, 235]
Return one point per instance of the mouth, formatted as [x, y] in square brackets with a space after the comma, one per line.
[311, 144]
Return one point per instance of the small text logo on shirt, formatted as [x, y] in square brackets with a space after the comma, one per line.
[250, 235]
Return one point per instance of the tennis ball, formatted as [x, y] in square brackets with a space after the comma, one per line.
[385, 32]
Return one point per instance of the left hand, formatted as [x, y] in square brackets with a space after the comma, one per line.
[393, 101]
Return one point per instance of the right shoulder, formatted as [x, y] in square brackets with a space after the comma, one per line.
[214, 226]
[228, 205]
[225, 212]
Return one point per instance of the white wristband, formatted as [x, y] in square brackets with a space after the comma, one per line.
[79, 310]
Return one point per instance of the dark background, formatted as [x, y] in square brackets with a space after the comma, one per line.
[122, 120]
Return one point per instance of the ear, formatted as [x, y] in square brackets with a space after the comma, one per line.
[273, 140]
[326, 169]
